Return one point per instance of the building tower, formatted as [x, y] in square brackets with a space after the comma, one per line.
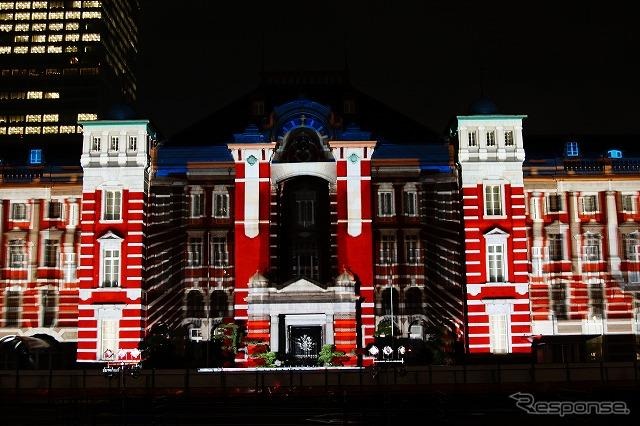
[112, 312]
[61, 62]
[490, 154]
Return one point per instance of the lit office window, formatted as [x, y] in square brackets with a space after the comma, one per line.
[50, 117]
[83, 116]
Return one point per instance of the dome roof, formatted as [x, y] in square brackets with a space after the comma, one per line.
[483, 106]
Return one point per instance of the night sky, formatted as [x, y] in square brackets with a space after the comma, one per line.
[572, 67]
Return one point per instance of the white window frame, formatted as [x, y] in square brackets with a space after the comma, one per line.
[491, 138]
[114, 144]
[509, 141]
[495, 239]
[500, 333]
[583, 203]
[55, 242]
[219, 251]
[194, 251]
[386, 202]
[560, 203]
[132, 144]
[588, 253]
[501, 199]
[549, 246]
[20, 245]
[216, 198]
[110, 242]
[408, 239]
[118, 195]
[96, 144]
[196, 203]
[499, 312]
[632, 199]
[48, 209]
[388, 249]
[12, 211]
[472, 139]
[111, 325]
[410, 197]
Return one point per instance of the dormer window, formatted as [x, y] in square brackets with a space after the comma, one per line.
[95, 144]
[35, 156]
[491, 138]
[473, 141]
[508, 138]
[614, 153]
[571, 149]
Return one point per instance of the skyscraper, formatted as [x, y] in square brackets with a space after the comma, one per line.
[60, 62]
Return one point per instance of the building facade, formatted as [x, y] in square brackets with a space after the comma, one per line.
[62, 62]
[310, 225]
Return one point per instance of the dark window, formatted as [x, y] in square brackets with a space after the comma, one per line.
[554, 203]
[559, 300]
[12, 308]
[413, 301]
[390, 298]
[195, 304]
[49, 308]
[218, 304]
[555, 247]
[596, 300]
[55, 210]
[572, 149]
[51, 253]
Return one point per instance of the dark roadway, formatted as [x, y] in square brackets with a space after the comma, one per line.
[293, 406]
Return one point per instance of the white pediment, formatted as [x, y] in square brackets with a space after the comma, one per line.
[496, 232]
[110, 236]
[302, 286]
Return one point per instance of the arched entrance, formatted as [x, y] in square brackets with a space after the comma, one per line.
[304, 235]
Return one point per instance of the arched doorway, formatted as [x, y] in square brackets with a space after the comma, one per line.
[304, 229]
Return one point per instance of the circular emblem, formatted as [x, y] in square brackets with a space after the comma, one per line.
[252, 160]
[353, 158]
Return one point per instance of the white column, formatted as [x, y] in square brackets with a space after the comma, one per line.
[574, 231]
[354, 191]
[612, 233]
[273, 335]
[252, 192]
[34, 239]
[328, 339]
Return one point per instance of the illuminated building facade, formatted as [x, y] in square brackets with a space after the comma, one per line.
[326, 219]
[62, 62]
